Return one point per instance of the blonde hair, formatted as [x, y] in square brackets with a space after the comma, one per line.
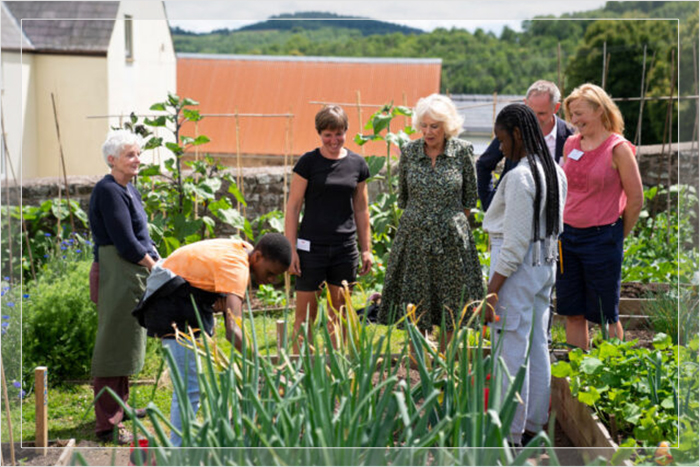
[439, 108]
[597, 98]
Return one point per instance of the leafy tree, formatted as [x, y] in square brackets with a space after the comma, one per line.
[624, 41]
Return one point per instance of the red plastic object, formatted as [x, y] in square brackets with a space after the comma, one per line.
[143, 450]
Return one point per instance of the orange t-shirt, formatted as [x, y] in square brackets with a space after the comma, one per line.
[219, 265]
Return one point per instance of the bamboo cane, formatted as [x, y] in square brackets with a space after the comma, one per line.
[287, 152]
[493, 119]
[239, 176]
[638, 134]
[7, 197]
[7, 410]
[602, 79]
[63, 164]
[359, 118]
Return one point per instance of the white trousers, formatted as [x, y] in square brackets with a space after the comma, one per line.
[523, 306]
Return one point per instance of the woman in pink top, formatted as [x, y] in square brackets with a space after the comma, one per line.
[603, 204]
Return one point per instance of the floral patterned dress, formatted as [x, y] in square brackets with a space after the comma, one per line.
[433, 262]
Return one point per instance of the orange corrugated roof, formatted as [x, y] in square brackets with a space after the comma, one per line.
[279, 85]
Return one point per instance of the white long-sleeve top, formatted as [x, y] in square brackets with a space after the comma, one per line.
[511, 210]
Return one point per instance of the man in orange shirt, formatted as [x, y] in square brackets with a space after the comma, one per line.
[215, 273]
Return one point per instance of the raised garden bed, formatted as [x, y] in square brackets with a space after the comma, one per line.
[581, 425]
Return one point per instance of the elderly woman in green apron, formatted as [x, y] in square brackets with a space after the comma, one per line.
[124, 254]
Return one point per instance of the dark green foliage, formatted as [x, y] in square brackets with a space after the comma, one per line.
[482, 63]
[384, 211]
[59, 322]
[181, 199]
[674, 313]
[638, 386]
[42, 228]
[661, 248]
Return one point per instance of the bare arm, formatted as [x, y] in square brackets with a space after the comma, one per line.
[360, 206]
[234, 334]
[297, 189]
[626, 164]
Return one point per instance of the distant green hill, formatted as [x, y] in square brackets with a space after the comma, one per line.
[309, 21]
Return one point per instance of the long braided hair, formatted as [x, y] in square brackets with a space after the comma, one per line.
[522, 117]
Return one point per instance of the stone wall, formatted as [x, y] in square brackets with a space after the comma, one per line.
[263, 187]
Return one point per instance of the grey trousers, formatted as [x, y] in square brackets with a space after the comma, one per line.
[523, 305]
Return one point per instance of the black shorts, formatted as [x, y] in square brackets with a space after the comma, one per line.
[592, 264]
[330, 263]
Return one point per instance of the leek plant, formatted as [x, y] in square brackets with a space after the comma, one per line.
[345, 402]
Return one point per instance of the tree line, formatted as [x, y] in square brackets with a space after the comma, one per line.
[567, 50]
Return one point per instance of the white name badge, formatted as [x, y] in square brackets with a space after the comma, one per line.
[303, 245]
[575, 154]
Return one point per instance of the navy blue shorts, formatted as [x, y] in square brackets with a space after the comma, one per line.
[592, 265]
[330, 263]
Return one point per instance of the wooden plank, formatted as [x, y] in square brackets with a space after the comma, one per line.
[41, 401]
[67, 453]
[632, 322]
[580, 424]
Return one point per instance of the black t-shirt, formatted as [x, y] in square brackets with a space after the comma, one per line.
[329, 217]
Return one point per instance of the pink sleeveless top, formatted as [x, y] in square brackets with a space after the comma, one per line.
[595, 194]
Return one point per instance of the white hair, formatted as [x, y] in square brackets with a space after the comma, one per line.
[439, 108]
[545, 87]
[116, 141]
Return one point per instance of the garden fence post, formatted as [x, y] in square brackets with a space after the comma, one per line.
[41, 400]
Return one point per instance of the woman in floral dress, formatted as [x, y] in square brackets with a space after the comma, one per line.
[433, 262]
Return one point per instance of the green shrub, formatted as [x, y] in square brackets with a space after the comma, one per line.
[60, 321]
[675, 313]
[652, 250]
[11, 319]
[637, 386]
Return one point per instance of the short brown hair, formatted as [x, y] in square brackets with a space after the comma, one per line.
[331, 117]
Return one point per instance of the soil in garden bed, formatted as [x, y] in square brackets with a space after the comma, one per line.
[94, 453]
[640, 290]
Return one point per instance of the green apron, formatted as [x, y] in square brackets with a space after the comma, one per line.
[120, 345]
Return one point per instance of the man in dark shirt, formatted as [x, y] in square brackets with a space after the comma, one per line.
[543, 97]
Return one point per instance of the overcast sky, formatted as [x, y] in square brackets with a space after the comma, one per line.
[490, 15]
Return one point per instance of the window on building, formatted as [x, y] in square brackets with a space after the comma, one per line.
[128, 37]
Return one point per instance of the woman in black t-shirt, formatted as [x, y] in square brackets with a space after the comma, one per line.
[330, 182]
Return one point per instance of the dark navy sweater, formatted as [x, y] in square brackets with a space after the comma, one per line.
[117, 218]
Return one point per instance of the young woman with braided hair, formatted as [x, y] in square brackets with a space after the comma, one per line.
[524, 221]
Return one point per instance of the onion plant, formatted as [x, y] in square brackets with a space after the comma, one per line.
[345, 402]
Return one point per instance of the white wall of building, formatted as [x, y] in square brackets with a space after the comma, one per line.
[79, 85]
[137, 83]
[19, 109]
